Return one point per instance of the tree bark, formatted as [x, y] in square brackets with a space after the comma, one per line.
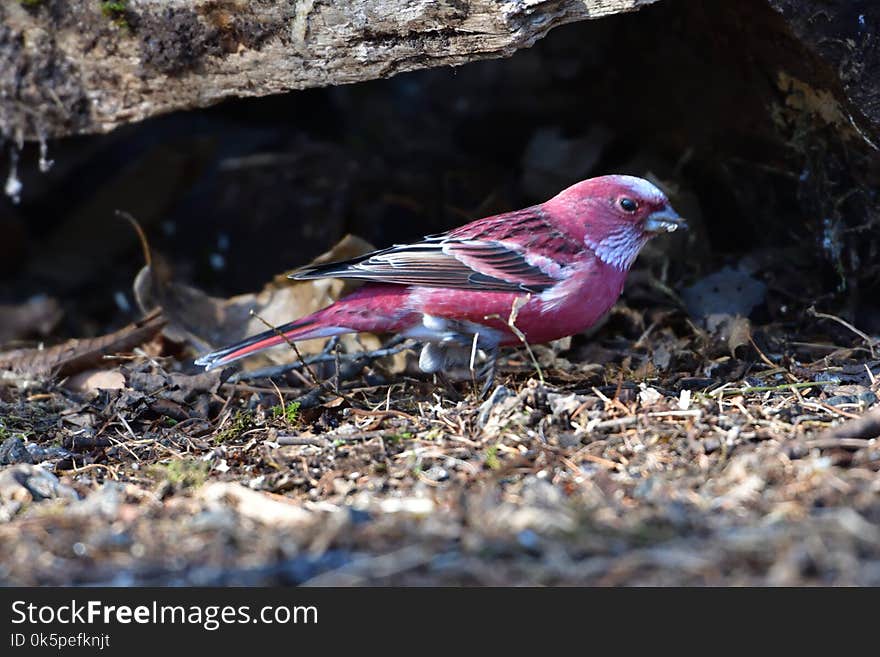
[81, 66]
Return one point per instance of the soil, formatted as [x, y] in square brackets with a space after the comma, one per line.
[637, 468]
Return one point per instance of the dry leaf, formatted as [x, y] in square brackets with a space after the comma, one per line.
[739, 333]
[78, 355]
[266, 508]
[91, 380]
[208, 322]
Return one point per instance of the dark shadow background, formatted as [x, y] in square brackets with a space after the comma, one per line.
[689, 93]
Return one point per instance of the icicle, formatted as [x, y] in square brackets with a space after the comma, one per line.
[45, 162]
[13, 184]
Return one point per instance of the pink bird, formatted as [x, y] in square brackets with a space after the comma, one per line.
[545, 272]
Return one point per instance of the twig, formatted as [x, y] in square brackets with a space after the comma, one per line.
[359, 435]
[126, 425]
[93, 466]
[242, 387]
[773, 366]
[278, 370]
[518, 303]
[73, 441]
[611, 465]
[302, 440]
[830, 409]
[781, 387]
[292, 345]
[616, 423]
[691, 413]
[864, 336]
[473, 372]
[142, 237]
[359, 412]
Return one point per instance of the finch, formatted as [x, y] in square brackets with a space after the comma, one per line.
[538, 274]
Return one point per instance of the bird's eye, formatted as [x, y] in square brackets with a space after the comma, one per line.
[627, 204]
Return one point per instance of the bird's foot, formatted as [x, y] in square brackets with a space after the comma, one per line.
[487, 372]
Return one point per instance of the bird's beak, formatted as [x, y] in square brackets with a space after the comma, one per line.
[665, 220]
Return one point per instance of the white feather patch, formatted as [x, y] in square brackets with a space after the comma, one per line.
[553, 297]
[444, 331]
[620, 248]
[432, 358]
[642, 188]
[547, 265]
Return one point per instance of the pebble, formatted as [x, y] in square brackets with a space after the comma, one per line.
[867, 398]
[569, 440]
[13, 451]
[499, 395]
[39, 453]
[104, 501]
[840, 400]
[26, 482]
[711, 445]
[436, 473]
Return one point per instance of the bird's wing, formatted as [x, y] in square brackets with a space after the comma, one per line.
[485, 255]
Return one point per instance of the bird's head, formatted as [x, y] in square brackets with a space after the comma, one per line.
[616, 215]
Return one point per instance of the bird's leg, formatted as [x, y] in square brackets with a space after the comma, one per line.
[487, 371]
[330, 345]
[357, 360]
[448, 385]
[394, 341]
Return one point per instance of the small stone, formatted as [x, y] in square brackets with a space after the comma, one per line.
[648, 396]
[39, 453]
[711, 445]
[569, 440]
[221, 519]
[13, 451]
[25, 482]
[416, 506]
[840, 400]
[499, 395]
[436, 473]
[563, 405]
[343, 487]
[104, 501]
[529, 539]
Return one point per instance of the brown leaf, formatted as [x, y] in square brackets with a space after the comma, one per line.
[739, 333]
[91, 380]
[208, 322]
[726, 333]
[78, 355]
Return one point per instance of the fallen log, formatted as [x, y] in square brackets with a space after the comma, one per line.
[80, 66]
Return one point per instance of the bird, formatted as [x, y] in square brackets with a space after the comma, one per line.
[528, 276]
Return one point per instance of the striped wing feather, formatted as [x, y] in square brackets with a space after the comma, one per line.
[472, 257]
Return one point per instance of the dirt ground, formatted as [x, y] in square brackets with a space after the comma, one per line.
[669, 459]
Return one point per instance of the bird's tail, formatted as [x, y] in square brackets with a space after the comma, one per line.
[303, 329]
